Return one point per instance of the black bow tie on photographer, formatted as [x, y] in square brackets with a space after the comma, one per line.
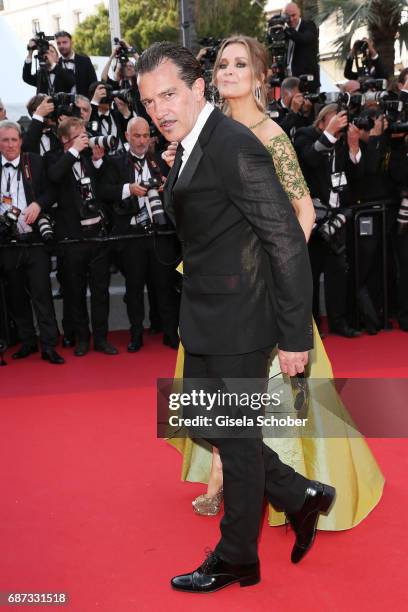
[9, 165]
[134, 157]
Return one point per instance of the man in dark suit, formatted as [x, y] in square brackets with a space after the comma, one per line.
[154, 252]
[79, 215]
[303, 49]
[80, 65]
[25, 194]
[53, 78]
[40, 135]
[247, 286]
[105, 120]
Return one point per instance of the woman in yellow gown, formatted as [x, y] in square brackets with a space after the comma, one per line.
[345, 462]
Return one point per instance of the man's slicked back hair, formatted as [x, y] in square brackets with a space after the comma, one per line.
[188, 66]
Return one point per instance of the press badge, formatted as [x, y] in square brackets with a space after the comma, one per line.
[338, 180]
[7, 200]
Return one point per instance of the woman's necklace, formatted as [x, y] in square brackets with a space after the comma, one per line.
[252, 127]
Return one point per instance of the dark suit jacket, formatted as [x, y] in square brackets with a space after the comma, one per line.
[120, 121]
[84, 73]
[59, 172]
[32, 138]
[376, 69]
[36, 188]
[247, 281]
[117, 171]
[315, 153]
[306, 51]
[64, 79]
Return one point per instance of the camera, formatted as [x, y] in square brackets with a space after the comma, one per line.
[8, 224]
[328, 223]
[107, 142]
[122, 54]
[41, 46]
[360, 47]
[307, 82]
[155, 206]
[45, 227]
[89, 208]
[278, 45]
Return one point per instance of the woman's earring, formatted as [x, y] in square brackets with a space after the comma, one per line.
[258, 93]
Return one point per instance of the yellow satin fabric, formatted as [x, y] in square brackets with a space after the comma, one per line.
[346, 463]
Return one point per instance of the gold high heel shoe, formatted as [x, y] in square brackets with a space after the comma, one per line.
[206, 505]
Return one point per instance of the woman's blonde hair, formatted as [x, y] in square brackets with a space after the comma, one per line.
[258, 61]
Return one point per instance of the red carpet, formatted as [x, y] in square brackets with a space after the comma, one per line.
[92, 504]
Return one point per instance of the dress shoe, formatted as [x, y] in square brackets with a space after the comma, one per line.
[135, 344]
[172, 341]
[105, 347]
[68, 341]
[319, 498]
[52, 356]
[82, 348]
[24, 351]
[343, 329]
[207, 505]
[215, 574]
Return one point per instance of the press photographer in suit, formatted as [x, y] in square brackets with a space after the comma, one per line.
[73, 171]
[41, 135]
[303, 50]
[54, 78]
[25, 196]
[151, 255]
[80, 66]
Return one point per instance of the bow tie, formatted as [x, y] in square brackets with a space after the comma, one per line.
[141, 160]
[67, 61]
[9, 165]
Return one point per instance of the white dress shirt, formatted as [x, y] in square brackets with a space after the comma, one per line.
[16, 191]
[190, 140]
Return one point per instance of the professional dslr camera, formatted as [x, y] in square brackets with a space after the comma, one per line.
[122, 53]
[8, 225]
[207, 63]
[277, 43]
[155, 205]
[305, 84]
[41, 45]
[328, 223]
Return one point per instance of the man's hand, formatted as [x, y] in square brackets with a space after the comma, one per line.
[137, 190]
[31, 213]
[371, 48]
[97, 153]
[99, 93]
[81, 142]
[337, 123]
[353, 139]
[292, 363]
[380, 125]
[170, 153]
[122, 107]
[45, 108]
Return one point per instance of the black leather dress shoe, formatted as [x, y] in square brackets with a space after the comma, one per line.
[171, 340]
[24, 351]
[82, 348]
[319, 498]
[68, 341]
[344, 329]
[52, 356]
[215, 574]
[105, 347]
[135, 344]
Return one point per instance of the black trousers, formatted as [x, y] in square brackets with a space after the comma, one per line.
[335, 270]
[401, 247]
[27, 273]
[251, 470]
[87, 264]
[149, 257]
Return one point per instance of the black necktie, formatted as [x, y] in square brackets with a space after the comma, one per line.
[174, 172]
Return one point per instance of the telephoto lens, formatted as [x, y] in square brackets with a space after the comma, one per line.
[107, 142]
[45, 228]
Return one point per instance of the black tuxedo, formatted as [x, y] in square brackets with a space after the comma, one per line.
[247, 286]
[84, 75]
[375, 69]
[27, 269]
[64, 79]
[116, 116]
[146, 258]
[306, 51]
[88, 261]
[32, 138]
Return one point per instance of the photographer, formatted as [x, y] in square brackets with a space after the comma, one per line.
[297, 111]
[50, 75]
[106, 121]
[25, 195]
[85, 108]
[41, 135]
[367, 60]
[137, 209]
[303, 46]
[329, 157]
[80, 215]
[78, 66]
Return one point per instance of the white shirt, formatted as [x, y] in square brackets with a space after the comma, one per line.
[190, 140]
[145, 175]
[16, 191]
